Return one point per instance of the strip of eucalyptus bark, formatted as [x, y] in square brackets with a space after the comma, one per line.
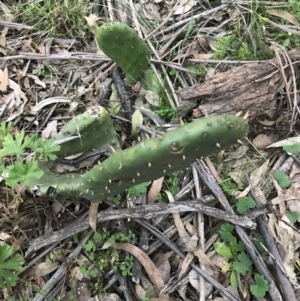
[143, 211]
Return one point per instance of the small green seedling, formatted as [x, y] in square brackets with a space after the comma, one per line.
[126, 265]
[106, 256]
[238, 261]
[245, 204]
[261, 287]
[147, 295]
[293, 216]
[9, 264]
[283, 180]
[139, 189]
[292, 149]
[12, 150]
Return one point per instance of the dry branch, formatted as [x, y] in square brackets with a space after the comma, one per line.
[251, 87]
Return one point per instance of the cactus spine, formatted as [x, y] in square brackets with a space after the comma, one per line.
[123, 45]
[149, 159]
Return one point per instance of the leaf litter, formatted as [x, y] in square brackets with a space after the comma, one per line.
[45, 82]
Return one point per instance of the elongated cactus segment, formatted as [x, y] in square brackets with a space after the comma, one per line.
[152, 158]
[94, 129]
[123, 45]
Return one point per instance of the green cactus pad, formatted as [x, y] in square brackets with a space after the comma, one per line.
[151, 159]
[94, 129]
[123, 45]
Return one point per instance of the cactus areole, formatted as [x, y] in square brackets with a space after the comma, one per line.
[149, 159]
[123, 45]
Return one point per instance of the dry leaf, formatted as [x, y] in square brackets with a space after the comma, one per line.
[190, 228]
[184, 6]
[267, 122]
[238, 153]
[92, 22]
[243, 193]
[203, 42]
[162, 258]
[93, 211]
[42, 269]
[185, 264]
[187, 243]
[202, 56]
[17, 102]
[203, 258]
[139, 290]
[165, 271]
[49, 101]
[182, 291]
[4, 236]
[261, 141]
[177, 220]
[286, 238]
[147, 285]
[50, 132]
[152, 97]
[258, 174]
[76, 273]
[137, 119]
[283, 15]
[37, 80]
[146, 262]
[154, 190]
[237, 177]
[151, 11]
[4, 82]
[285, 142]
[194, 281]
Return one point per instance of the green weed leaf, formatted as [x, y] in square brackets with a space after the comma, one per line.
[4, 131]
[225, 232]
[137, 190]
[240, 247]
[7, 263]
[260, 288]
[22, 172]
[226, 267]
[293, 216]
[234, 279]
[223, 250]
[292, 149]
[283, 180]
[137, 119]
[233, 245]
[46, 149]
[243, 264]
[259, 242]
[245, 204]
[173, 183]
[13, 145]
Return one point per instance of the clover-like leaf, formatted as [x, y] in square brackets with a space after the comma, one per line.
[260, 288]
[225, 232]
[244, 204]
[243, 264]
[283, 180]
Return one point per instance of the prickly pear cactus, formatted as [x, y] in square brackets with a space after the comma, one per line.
[92, 129]
[149, 159]
[124, 46]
